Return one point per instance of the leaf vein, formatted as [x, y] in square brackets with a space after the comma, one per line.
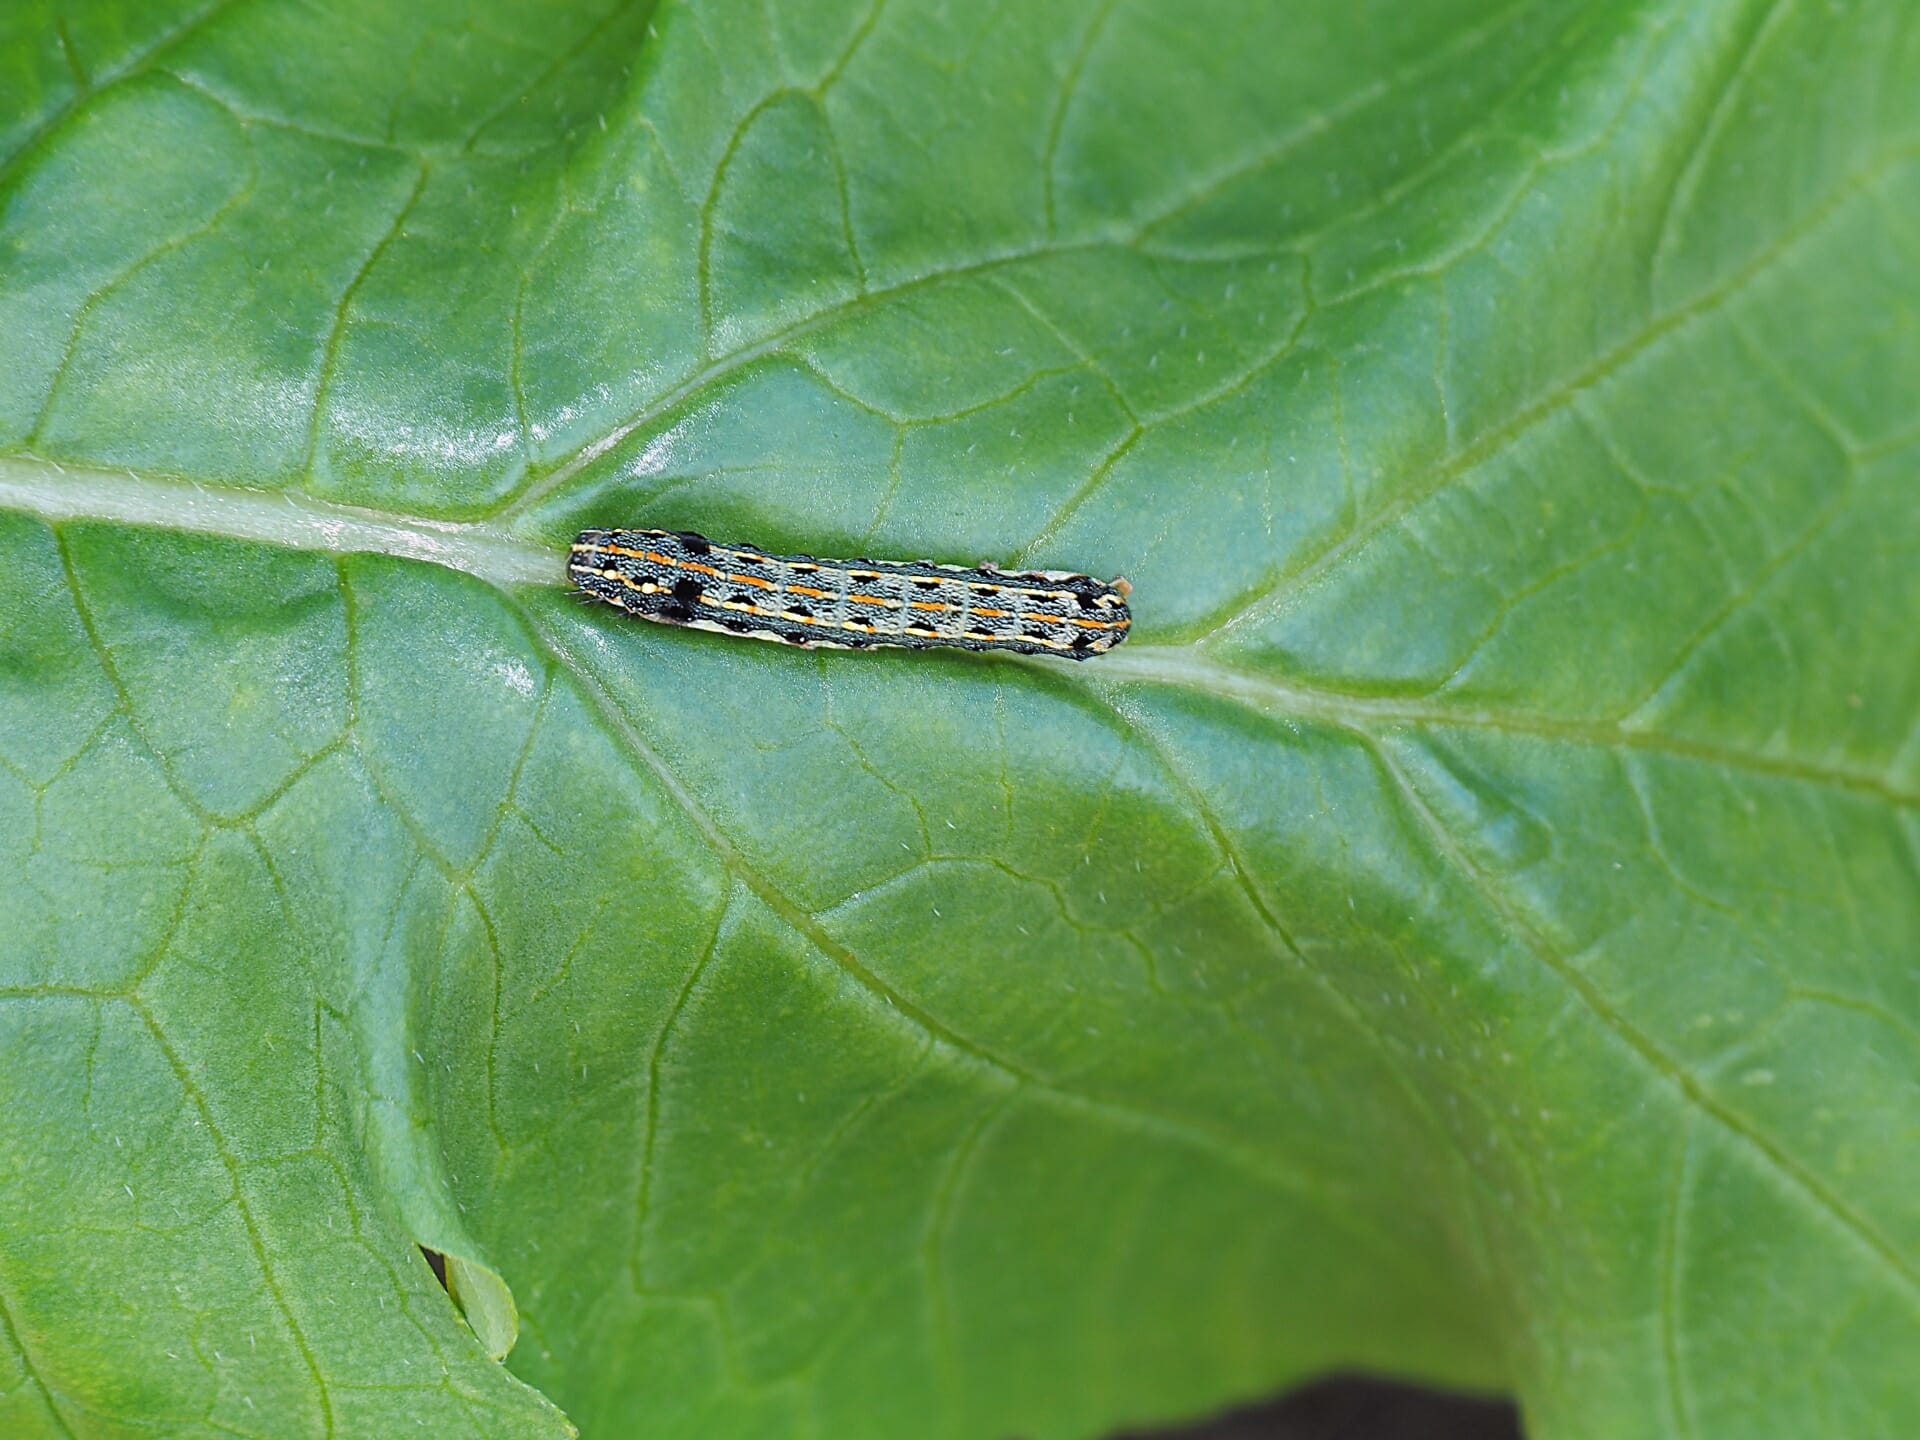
[1800, 1181]
[1298, 577]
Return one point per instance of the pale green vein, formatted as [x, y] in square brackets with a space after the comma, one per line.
[1189, 668]
[58, 493]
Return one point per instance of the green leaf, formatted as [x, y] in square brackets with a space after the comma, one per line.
[1469, 931]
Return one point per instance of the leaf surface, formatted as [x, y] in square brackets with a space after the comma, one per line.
[1468, 931]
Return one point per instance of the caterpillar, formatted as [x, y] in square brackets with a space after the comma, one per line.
[676, 577]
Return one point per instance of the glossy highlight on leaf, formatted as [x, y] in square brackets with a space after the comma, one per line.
[1466, 932]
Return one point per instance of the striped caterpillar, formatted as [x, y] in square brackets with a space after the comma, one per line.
[678, 578]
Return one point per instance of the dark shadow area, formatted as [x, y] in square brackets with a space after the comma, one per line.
[1354, 1408]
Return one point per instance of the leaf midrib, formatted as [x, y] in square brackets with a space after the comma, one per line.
[57, 493]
